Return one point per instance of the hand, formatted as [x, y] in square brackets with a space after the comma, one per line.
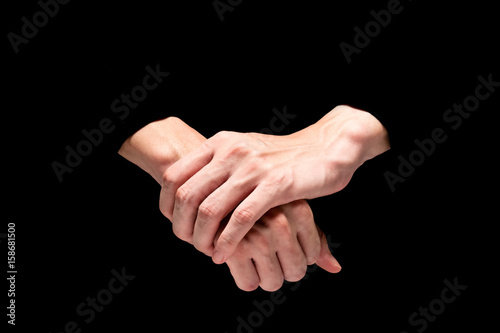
[278, 234]
[278, 247]
[246, 174]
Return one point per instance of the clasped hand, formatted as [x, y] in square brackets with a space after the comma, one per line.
[239, 197]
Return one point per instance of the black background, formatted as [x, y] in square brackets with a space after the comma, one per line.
[396, 248]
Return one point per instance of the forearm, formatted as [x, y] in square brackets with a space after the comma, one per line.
[159, 144]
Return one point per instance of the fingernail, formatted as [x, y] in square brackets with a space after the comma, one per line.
[218, 258]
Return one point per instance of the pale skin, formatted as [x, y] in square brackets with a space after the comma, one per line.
[244, 175]
[278, 246]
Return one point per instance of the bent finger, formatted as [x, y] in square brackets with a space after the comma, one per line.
[244, 273]
[190, 196]
[241, 221]
[214, 208]
[179, 173]
[270, 272]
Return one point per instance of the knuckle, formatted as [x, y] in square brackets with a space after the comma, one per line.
[207, 211]
[169, 179]
[280, 222]
[243, 216]
[239, 148]
[220, 136]
[254, 166]
[183, 194]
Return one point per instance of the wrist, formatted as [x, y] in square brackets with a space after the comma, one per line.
[359, 132]
[159, 144]
[342, 141]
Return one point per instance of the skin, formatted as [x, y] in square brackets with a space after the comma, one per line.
[280, 244]
[244, 175]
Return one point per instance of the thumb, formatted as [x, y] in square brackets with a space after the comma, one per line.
[326, 260]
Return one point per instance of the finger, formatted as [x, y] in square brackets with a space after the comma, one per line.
[214, 208]
[191, 194]
[326, 260]
[243, 218]
[244, 273]
[293, 262]
[179, 173]
[308, 237]
[269, 270]
[279, 226]
[307, 232]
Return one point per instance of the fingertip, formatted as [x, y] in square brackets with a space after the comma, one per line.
[218, 258]
[335, 264]
[330, 268]
[329, 263]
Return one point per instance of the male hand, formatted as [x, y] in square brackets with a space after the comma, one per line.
[246, 174]
[281, 244]
[278, 247]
